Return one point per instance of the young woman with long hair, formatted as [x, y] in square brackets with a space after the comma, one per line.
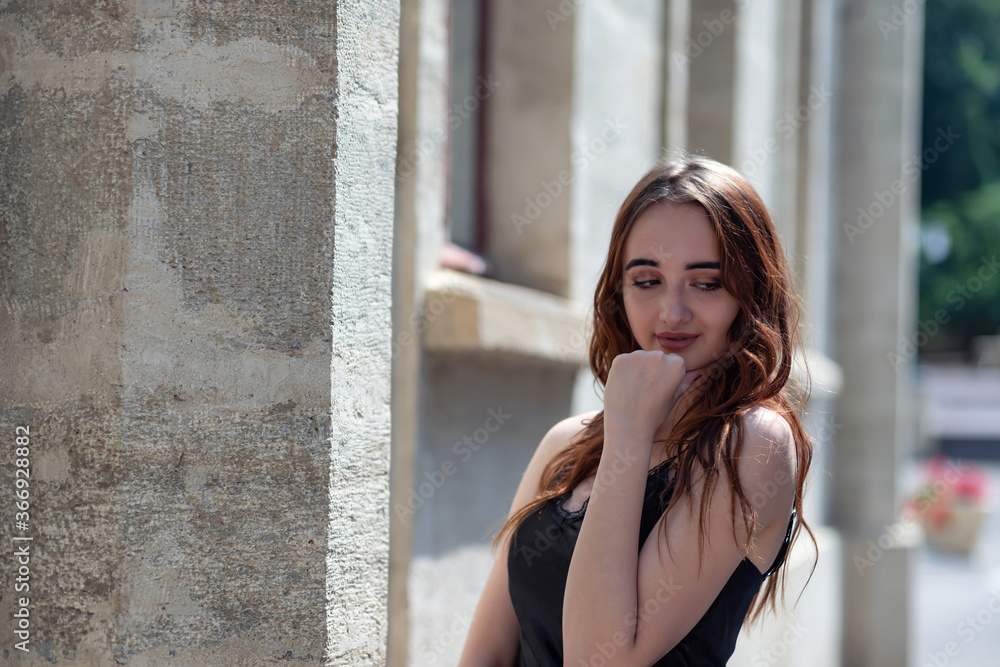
[649, 532]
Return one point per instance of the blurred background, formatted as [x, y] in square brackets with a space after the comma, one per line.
[871, 130]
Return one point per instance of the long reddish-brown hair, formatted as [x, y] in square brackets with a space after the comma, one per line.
[755, 370]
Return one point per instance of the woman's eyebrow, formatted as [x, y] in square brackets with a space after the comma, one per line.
[690, 267]
[642, 262]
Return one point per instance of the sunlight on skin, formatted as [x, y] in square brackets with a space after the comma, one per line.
[672, 289]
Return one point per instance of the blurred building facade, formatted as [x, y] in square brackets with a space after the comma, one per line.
[523, 125]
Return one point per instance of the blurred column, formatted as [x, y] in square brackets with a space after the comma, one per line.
[760, 63]
[877, 132]
[710, 52]
[616, 123]
[420, 212]
[676, 23]
[813, 252]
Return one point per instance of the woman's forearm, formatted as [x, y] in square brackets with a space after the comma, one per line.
[601, 587]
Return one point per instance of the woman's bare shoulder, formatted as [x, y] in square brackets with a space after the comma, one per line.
[563, 432]
[767, 464]
[555, 440]
[769, 434]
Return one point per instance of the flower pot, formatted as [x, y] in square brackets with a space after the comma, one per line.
[960, 531]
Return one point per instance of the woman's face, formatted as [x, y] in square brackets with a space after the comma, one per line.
[672, 285]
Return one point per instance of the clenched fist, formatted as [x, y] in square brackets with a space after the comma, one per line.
[642, 388]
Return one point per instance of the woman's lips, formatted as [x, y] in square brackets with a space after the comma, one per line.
[675, 343]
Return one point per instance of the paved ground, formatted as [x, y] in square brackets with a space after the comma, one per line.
[955, 614]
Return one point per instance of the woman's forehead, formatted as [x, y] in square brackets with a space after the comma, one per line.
[667, 232]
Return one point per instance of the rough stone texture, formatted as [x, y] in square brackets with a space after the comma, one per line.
[168, 277]
[358, 537]
[63, 212]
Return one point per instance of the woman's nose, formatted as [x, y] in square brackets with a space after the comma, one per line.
[673, 307]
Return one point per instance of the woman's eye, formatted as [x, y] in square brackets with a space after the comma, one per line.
[704, 286]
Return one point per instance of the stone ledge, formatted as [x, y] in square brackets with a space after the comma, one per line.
[466, 313]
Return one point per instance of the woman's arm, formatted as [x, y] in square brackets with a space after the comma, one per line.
[632, 607]
[493, 634]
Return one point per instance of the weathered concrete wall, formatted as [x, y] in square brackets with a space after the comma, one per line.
[65, 196]
[199, 339]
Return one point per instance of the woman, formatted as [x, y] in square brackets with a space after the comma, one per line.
[641, 534]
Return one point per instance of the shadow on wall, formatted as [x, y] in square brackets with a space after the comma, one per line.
[482, 420]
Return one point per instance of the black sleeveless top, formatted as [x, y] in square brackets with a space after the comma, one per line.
[538, 563]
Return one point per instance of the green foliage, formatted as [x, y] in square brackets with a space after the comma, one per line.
[961, 190]
[966, 285]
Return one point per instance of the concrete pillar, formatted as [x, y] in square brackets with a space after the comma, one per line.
[816, 237]
[790, 128]
[619, 57]
[192, 205]
[357, 556]
[757, 93]
[676, 71]
[710, 50]
[420, 212]
[877, 133]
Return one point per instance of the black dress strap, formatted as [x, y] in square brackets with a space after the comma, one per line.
[780, 558]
